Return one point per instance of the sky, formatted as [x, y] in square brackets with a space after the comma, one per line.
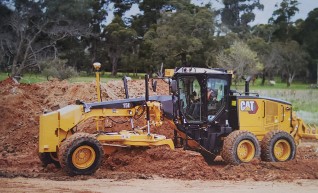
[305, 6]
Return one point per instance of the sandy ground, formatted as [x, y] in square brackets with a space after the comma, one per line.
[156, 185]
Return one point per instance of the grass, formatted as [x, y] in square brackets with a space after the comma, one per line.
[35, 78]
[279, 85]
[27, 78]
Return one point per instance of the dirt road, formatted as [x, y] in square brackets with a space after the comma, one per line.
[154, 185]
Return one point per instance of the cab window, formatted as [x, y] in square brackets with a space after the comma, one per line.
[190, 98]
[215, 96]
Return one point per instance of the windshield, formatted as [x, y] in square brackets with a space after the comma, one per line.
[190, 98]
[215, 96]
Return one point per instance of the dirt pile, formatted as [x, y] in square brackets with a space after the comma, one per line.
[161, 161]
[191, 165]
[22, 104]
[20, 107]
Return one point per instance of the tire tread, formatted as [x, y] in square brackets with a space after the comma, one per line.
[71, 142]
[229, 149]
[267, 145]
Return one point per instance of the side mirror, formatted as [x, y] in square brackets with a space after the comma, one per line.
[154, 85]
[173, 87]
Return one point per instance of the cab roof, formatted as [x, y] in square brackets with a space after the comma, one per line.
[194, 70]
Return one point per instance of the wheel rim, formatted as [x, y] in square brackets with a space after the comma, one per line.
[282, 150]
[83, 157]
[245, 151]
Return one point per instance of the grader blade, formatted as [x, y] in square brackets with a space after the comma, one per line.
[134, 138]
[303, 130]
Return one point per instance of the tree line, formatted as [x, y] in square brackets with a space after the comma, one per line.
[64, 37]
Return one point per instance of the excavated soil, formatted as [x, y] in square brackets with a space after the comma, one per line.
[22, 104]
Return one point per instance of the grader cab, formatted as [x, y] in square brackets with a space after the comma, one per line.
[207, 116]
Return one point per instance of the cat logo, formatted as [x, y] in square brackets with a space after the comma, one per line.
[250, 106]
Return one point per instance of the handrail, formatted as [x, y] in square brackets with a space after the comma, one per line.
[264, 109]
[283, 117]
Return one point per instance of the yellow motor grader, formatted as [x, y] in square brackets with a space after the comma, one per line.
[207, 116]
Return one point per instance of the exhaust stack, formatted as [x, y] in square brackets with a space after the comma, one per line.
[247, 85]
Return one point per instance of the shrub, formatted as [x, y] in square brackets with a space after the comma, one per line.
[57, 68]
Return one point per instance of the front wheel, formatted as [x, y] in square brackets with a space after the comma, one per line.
[240, 147]
[81, 154]
[278, 146]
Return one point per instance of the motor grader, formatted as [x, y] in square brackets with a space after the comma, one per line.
[207, 116]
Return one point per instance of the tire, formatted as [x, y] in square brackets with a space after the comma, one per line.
[49, 158]
[278, 146]
[240, 147]
[81, 154]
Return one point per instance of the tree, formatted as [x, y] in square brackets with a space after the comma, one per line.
[30, 35]
[119, 38]
[282, 18]
[308, 34]
[241, 59]
[264, 31]
[81, 51]
[121, 6]
[236, 14]
[5, 57]
[290, 58]
[264, 53]
[180, 35]
[308, 38]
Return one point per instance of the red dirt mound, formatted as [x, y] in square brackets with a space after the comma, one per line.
[22, 104]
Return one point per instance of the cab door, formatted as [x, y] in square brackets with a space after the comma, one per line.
[190, 99]
[216, 98]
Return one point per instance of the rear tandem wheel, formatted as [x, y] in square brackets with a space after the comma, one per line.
[81, 154]
[278, 146]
